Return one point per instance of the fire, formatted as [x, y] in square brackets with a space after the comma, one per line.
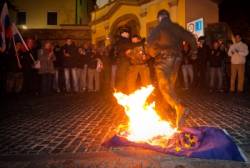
[145, 125]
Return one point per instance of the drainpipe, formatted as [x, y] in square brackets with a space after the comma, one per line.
[76, 13]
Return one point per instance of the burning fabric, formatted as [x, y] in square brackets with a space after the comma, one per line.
[146, 129]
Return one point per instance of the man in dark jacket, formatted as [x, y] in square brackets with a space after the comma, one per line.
[58, 64]
[216, 58]
[164, 44]
[201, 74]
[30, 72]
[14, 67]
[122, 45]
[69, 54]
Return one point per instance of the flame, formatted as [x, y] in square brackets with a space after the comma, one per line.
[145, 125]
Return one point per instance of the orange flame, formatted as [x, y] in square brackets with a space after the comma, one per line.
[145, 125]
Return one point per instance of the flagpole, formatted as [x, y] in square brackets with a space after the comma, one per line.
[17, 57]
[26, 47]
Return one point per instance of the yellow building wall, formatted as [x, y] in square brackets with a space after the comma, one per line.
[181, 13]
[184, 12]
[151, 9]
[207, 9]
[36, 12]
[99, 30]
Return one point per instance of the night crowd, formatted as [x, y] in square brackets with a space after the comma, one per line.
[47, 67]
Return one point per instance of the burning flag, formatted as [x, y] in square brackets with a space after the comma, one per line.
[146, 129]
[145, 125]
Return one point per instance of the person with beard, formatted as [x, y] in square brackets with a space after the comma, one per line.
[164, 45]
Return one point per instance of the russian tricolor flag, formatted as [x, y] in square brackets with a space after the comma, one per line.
[5, 26]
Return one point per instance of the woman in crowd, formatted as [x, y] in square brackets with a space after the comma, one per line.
[46, 71]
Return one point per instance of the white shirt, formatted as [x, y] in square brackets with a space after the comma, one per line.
[238, 52]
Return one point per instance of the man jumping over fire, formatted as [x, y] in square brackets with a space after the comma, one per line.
[164, 44]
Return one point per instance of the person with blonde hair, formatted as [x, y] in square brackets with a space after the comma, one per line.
[46, 71]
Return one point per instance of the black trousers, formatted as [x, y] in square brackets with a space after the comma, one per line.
[46, 83]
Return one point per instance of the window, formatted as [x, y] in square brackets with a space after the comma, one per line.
[21, 18]
[52, 18]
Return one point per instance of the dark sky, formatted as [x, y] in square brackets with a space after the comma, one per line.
[236, 13]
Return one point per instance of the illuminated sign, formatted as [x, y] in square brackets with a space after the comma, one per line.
[196, 27]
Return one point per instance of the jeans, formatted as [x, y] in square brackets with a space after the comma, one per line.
[81, 74]
[71, 85]
[57, 82]
[113, 75]
[165, 71]
[188, 74]
[133, 72]
[216, 72]
[93, 77]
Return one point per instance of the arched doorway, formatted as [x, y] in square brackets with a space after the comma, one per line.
[130, 21]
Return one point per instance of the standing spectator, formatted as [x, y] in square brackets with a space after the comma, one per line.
[238, 52]
[15, 75]
[187, 67]
[113, 55]
[226, 60]
[57, 83]
[82, 69]
[93, 72]
[138, 64]
[228, 65]
[46, 58]
[31, 77]
[105, 73]
[3, 73]
[122, 45]
[201, 75]
[69, 54]
[216, 59]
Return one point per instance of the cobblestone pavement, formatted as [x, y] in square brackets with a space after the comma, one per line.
[80, 123]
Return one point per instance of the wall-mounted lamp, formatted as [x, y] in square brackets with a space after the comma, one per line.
[24, 27]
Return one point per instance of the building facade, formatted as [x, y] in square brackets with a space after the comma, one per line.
[53, 20]
[52, 14]
[140, 16]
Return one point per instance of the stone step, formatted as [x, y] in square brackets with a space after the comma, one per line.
[117, 158]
